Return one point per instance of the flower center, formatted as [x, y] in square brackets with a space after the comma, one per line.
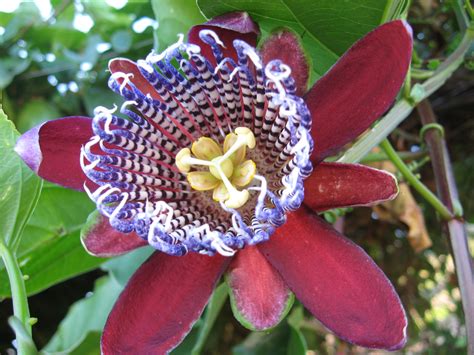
[224, 169]
[202, 119]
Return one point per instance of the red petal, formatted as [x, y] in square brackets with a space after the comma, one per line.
[234, 25]
[337, 281]
[52, 150]
[260, 298]
[127, 66]
[335, 185]
[285, 45]
[359, 88]
[160, 303]
[100, 239]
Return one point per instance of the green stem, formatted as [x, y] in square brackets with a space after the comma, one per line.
[457, 234]
[469, 8]
[406, 156]
[19, 299]
[28, 346]
[421, 74]
[387, 12]
[212, 311]
[413, 181]
[407, 85]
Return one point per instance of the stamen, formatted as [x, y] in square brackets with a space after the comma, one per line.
[234, 72]
[155, 58]
[104, 111]
[128, 103]
[213, 35]
[221, 167]
[221, 65]
[106, 194]
[192, 49]
[120, 206]
[125, 77]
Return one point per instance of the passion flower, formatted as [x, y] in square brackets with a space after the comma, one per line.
[218, 165]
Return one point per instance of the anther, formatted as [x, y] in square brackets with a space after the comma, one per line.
[212, 34]
[226, 171]
[125, 77]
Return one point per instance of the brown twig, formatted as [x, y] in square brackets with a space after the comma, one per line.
[447, 192]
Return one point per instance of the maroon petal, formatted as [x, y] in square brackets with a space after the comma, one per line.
[337, 281]
[234, 25]
[160, 303]
[127, 66]
[359, 88]
[259, 296]
[334, 185]
[286, 46]
[100, 239]
[52, 150]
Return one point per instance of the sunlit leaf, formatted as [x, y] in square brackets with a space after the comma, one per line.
[54, 261]
[59, 213]
[19, 187]
[174, 17]
[50, 250]
[35, 112]
[121, 41]
[327, 27]
[85, 316]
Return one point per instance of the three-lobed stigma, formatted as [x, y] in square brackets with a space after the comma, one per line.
[224, 169]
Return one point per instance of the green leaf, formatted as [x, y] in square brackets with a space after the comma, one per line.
[174, 17]
[274, 342]
[54, 261]
[90, 345]
[85, 316]
[25, 15]
[98, 96]
[212, 311]
[19, 188]
[121, 268]
[121, 41]
[35, 112]
[285, 339]
[395, 9]
[50, 250]
[59, 213]
[10, 67]
[297, 343]
[327, 27]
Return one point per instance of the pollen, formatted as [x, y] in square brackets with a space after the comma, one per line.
[208, 166]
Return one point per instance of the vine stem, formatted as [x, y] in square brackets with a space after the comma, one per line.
[430, 197]
[456, 230]
[20, 301]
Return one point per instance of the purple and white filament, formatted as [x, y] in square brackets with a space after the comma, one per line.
[132, 160]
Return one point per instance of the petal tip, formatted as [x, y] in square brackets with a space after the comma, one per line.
[116, 64]
[101, 240]
[400, 344]
[28, 148]
[407, 27]
[239, 21]
[284, 44]
[396, 187]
